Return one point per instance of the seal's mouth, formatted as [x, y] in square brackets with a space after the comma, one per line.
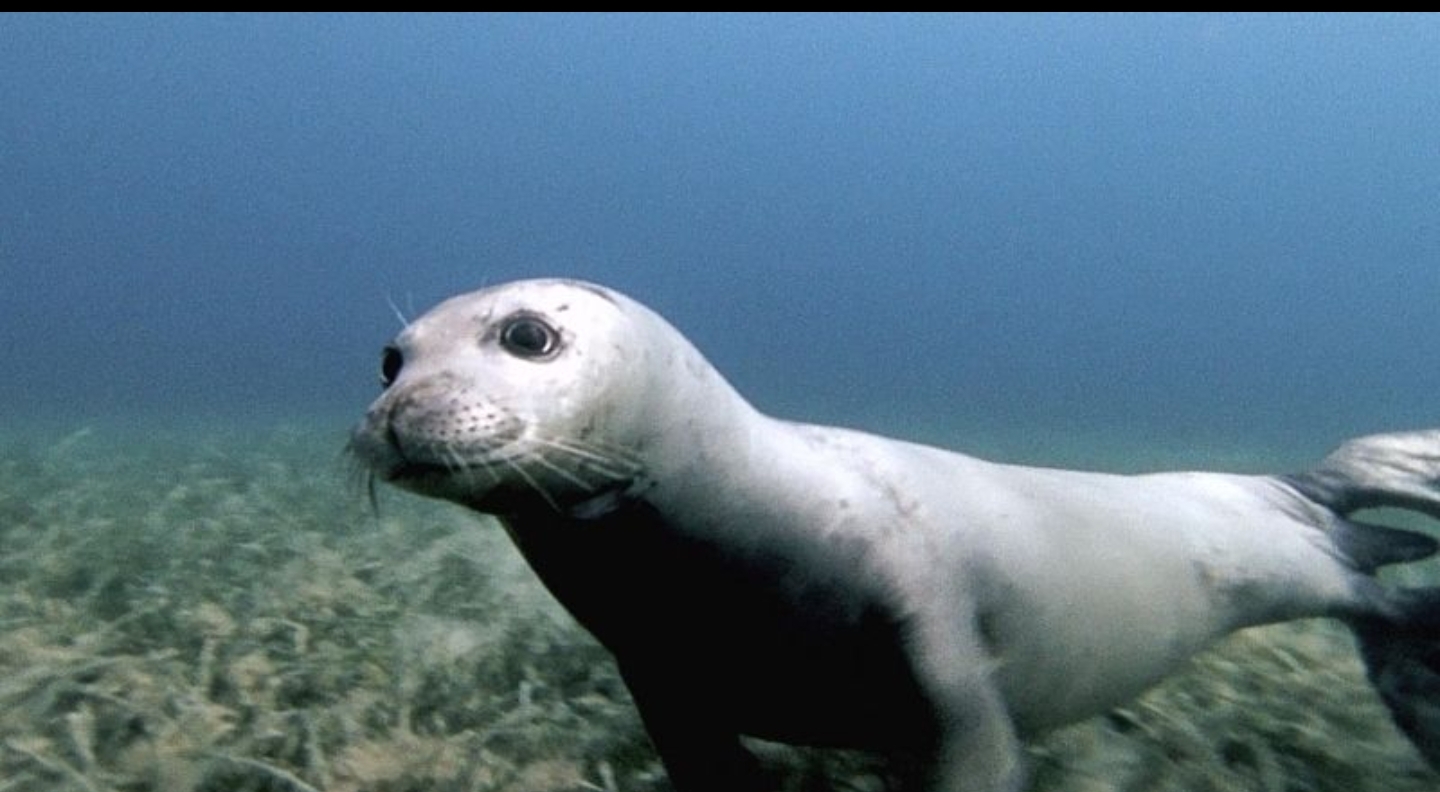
[422, 476]
[464, 485]
[378, 457]
[503, 475]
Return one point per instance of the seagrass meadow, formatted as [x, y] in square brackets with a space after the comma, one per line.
[223, 610]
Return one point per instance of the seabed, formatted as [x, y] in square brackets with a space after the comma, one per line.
[220, 610]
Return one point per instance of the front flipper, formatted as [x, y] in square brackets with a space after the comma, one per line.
[975, 747]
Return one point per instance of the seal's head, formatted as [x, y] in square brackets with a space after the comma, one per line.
[525, 395]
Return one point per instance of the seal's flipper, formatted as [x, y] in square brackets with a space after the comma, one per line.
[1400, 470]
[1400, 640]
[1402, 656]
[1370, 547]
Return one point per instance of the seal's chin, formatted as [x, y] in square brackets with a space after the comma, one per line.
[466, 486]
[419, 477]
[473, 487]
[496, 494]
[381, 460]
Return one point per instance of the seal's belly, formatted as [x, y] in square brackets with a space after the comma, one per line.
[1070, 657]
[1112, 583]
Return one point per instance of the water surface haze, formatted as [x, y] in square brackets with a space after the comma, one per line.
[1198, 225]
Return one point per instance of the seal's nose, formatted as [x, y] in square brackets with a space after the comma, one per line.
[373, 440]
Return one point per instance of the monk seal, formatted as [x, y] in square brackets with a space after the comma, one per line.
[823, 586]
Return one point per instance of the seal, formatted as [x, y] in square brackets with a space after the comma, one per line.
[822, 586]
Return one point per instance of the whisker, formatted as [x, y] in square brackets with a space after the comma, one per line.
[461, 467]
[535, 485]
[614, 454]
[619, 453]
[563, 473]
[361, 477]
[489, 469]
[454, 463]
[395, 309]
[602, 464]
[564, 446]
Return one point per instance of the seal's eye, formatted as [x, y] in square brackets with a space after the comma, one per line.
[529, 337]
[391, 361]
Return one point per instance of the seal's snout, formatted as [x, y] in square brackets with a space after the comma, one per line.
[373, 442]
[382, 448]
[380, 440]
[432, 427]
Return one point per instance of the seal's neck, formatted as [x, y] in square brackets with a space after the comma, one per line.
[694, 419]
[714, 461]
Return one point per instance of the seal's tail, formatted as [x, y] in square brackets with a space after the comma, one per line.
[1400, 640]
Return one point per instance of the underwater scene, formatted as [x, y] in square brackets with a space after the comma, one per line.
[1123, 243]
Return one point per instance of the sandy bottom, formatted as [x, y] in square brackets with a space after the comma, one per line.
[223, 611]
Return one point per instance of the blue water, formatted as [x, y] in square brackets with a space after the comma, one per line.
[1209, 228]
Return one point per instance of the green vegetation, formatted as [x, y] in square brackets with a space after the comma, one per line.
[225, 612]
